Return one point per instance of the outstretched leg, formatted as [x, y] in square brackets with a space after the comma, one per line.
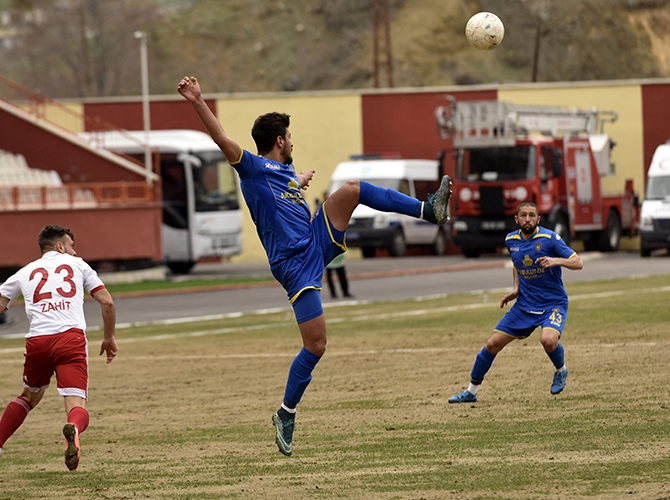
[481, 367]
[341, 204]
[17, 411]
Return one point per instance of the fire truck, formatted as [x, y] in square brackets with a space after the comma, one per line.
[554, 156]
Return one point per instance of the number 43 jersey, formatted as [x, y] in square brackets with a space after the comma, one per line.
[53, 290]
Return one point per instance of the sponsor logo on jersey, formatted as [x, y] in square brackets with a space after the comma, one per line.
[272, 166]
[294, 194]
[527, 261]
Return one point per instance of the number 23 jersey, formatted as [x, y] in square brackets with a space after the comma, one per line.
[53, 289]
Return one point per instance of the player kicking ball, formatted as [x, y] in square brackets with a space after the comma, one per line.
[538, 255]
[299, 246]
[53, 290]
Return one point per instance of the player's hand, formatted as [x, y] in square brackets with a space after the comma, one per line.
[111, 348]
[305, 177]
[189, 88]
[546, 262]
[510, 296]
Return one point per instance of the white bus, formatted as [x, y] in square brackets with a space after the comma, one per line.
[201, 209]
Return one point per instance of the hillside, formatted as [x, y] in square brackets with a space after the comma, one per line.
[305, 45]
[86, 48]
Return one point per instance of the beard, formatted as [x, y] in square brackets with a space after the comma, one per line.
[287, 155]
[527, 228]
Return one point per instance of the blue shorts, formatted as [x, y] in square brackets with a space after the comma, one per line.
[520, 324]
[304, 270]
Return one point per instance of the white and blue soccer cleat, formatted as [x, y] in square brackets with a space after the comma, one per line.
[559, 381]
[463, 397]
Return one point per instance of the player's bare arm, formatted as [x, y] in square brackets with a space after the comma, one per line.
[305, 177]
[104, 298]
[4, 301]
[189, 88]
[574, 263]
[515, 290]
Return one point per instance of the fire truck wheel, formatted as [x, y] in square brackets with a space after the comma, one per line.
[645, 251]
[609, 238]
[562, 228]
[398, 245]
[471, 253]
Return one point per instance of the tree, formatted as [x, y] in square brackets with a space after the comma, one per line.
[80, 48]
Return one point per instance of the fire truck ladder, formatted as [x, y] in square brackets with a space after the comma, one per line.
[494, 123]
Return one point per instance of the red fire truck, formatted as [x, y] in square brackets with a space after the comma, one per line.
[554, 156]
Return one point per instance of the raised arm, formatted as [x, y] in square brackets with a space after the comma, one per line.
[190, 89]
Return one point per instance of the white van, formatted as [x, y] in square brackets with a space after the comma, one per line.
[369, 228]
[655, 212]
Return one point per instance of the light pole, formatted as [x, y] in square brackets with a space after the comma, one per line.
[142, 37]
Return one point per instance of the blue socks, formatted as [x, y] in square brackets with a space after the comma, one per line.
[389, 200]
[482, 366]
[557, 356]
[299, 377]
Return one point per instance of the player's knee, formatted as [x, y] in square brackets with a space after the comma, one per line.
[549, 342]
[493, 347]
[352, 189]
[319, 348]
[32, 398]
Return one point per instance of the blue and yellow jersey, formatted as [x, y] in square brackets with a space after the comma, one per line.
[539, 288]
[274, 197]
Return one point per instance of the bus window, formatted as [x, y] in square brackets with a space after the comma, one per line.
[175, 208]
[215, 185]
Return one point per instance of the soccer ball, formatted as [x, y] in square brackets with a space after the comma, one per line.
[484, 31]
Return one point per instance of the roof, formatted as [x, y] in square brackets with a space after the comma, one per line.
[387, 169]
[169, 141]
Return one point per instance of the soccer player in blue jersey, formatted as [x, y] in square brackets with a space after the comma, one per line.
[298, 246]
[538, 255]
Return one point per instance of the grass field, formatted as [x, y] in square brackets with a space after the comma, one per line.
[184, 411]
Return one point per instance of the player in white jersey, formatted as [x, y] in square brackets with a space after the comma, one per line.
[53, 289]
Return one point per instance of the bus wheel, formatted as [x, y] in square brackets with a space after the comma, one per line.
[180, 267]
[562, 228]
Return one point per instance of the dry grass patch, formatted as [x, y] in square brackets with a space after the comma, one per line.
[184, 411]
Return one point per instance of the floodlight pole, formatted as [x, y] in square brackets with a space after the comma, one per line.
[144, 63]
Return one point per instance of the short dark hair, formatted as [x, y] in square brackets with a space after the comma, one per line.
[526, 204]
[49, 235]
[267, 128]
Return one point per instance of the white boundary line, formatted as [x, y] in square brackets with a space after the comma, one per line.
[341, 319]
